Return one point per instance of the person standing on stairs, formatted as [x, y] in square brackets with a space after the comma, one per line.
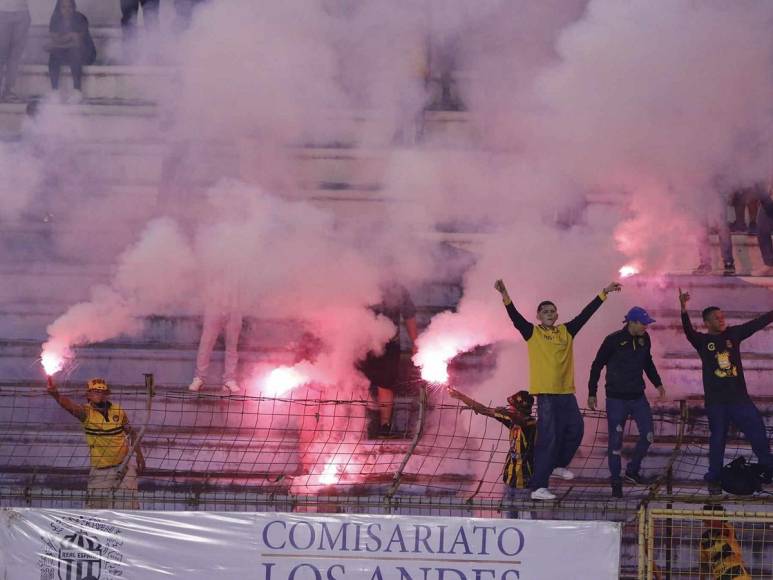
[224, 298]
[14, 29]
[627, 356]
[551, 378]
[382, 370]
[764, 232]
[724, 386]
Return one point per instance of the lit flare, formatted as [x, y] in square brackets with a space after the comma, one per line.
[433, 361]
[52, 362]
[330, 474]
[283, 380]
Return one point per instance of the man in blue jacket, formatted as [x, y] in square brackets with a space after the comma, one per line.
[627, 356]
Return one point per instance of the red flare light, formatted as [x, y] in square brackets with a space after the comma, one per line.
[52, 362]
[331, 474]
[628, 270]
[433, 361]
[435, 371]
[283, 380]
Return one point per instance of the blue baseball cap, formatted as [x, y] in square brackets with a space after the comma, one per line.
[638, 314]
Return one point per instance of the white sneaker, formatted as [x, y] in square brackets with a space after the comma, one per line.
[232, 386]
[563, 473]
[543, 493]
[196, 385]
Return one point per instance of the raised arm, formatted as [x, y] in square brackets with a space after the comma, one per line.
[523, 326]
[76, 410]
[602, 358]
[745, 330]
[411, 329]
[576, 323]
[471, 403]
[689, 331]
[408, 312]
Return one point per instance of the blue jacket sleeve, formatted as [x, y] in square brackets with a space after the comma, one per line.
[602, 358]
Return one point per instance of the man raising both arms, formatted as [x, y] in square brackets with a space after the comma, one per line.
[724, 386]
[551, 378]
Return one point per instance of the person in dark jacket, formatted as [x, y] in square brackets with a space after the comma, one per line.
[382, 370]
[627, 355]
[724, 385]
[71, 44]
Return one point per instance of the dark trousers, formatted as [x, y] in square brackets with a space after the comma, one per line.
[129, 9]
[559, 433]
[741, 200]
[747, 418]
[765, 229]
[618, 411]
[66, 56]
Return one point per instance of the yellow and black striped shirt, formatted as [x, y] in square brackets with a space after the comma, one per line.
[106, 435]
[519, 464]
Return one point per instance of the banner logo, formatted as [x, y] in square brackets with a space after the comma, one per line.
[80, 558]
[81, 548]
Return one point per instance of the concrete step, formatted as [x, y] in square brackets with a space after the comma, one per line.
[129, 120]
[735, 294]
[100, 81]
[110, 90]
[338, 168]
[121, 166]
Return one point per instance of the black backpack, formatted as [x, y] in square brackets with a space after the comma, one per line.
[741, 478]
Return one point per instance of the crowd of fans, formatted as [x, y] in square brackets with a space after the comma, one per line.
[541, 448]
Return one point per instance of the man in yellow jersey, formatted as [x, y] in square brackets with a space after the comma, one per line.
[551, 378]
[108, 435]
[720, 553]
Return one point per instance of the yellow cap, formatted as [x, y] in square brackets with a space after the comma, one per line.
[97, 384]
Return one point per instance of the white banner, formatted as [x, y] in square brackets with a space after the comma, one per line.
[108, 545]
